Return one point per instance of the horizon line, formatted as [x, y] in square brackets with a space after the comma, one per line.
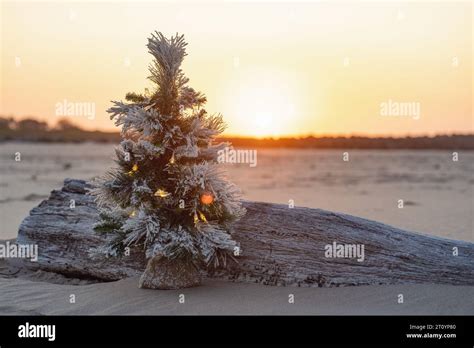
[52, 127]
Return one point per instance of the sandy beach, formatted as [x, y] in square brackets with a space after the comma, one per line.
[437, 192]
[35, 294]
[368, 186]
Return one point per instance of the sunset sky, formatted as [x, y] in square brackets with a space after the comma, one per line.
[271, 69]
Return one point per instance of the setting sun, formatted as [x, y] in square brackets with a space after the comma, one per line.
[263, 103]
[292, 70]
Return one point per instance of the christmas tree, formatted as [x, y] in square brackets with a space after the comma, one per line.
[167, 196]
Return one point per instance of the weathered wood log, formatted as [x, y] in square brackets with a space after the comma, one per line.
[280, 246]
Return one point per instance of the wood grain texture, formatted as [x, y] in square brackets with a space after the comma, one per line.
[280, 246]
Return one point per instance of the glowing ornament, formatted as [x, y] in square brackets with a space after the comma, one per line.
[133, 213]
[161, 193]
[207, 198]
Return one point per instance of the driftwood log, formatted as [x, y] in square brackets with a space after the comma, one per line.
[279, 246]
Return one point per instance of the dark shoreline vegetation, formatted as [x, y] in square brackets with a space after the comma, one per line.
[30, 130]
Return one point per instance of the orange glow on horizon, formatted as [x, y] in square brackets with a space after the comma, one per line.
[292, 70]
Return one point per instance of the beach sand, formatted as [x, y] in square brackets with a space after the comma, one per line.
[38, 296]
[437, 192]
[438, 197]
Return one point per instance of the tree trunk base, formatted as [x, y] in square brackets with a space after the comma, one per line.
[164, 274]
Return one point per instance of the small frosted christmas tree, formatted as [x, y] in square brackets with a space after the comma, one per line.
[167, 196]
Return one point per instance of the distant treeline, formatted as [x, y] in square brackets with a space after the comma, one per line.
[64, 131]
[32, 130]
[440, 142]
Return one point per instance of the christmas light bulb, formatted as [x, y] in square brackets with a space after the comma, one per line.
[161, 193]
[134, 169]
[203, 218]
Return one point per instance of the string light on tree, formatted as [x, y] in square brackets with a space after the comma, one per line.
[172, 159]
[134, 169]
[161, 193]
[203, 218]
